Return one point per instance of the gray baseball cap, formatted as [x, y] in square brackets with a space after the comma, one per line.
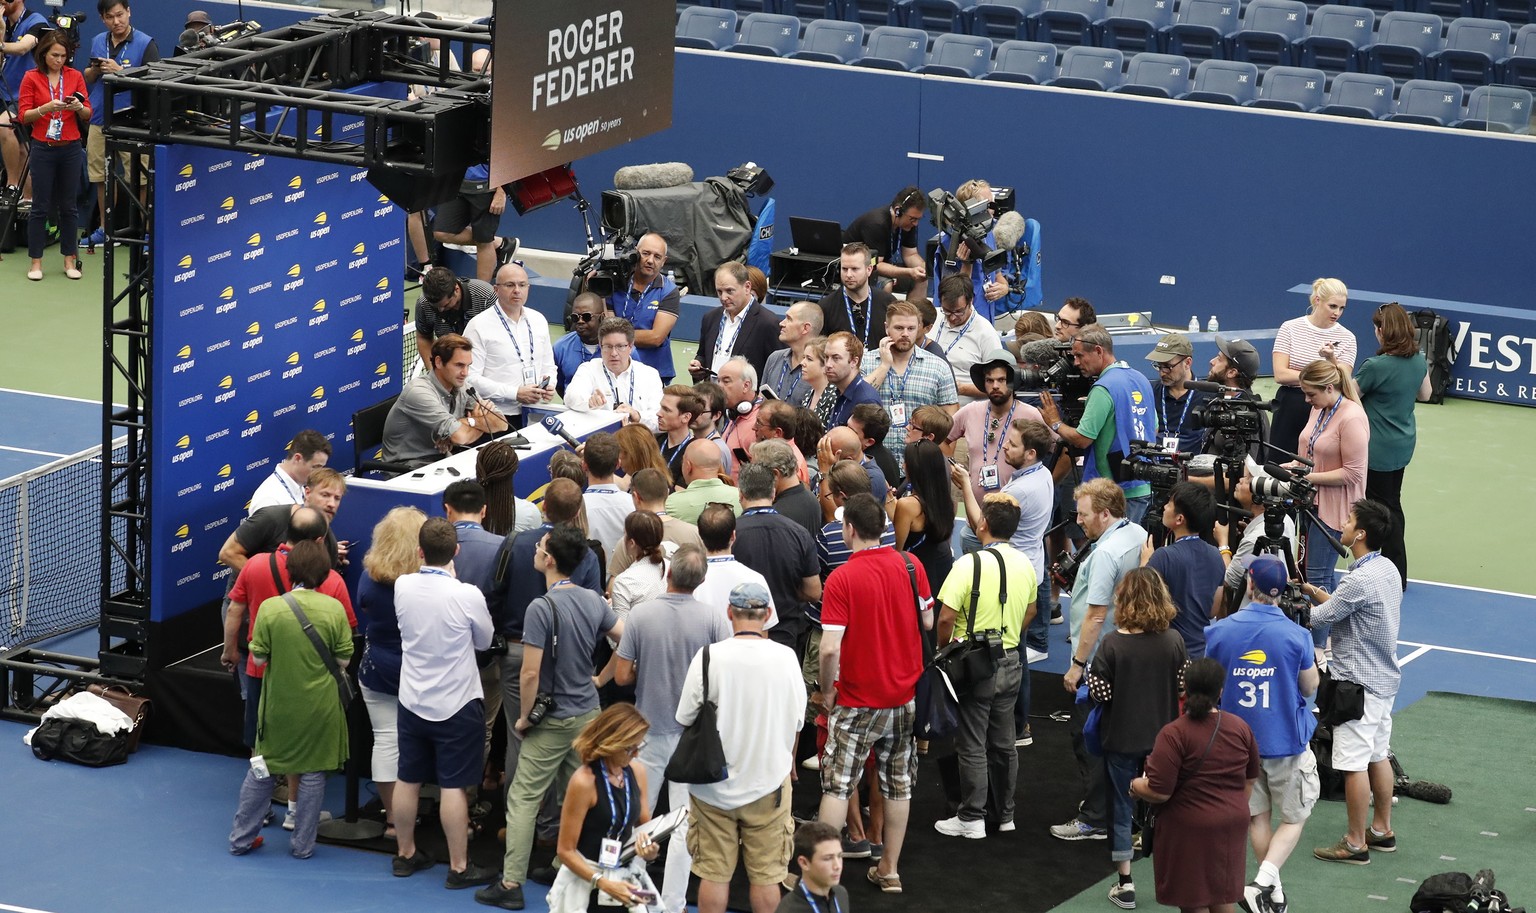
[749, 596]
[1241, 353]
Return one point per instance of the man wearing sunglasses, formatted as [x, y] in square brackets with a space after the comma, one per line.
[579, 345]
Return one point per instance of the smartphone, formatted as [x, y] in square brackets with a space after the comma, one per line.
[545, 383]
[97, 61]
[641, 895]
[78, 97]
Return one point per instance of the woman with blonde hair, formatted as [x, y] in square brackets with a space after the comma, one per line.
[1136, 675]
[1390, 383]
[1336, 440]
[638, 450]
[604, 802]
[1317, 336]
[391, 554]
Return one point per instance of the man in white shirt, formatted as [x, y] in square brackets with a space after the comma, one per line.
[616, 381]
[607, 506]
[717, 529]
[514, 362]
[443, 621]
[308, 451]
[965, 336]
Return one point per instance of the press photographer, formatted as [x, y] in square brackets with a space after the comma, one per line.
[1267, 528]
[966, 244]
[646, 298]
[1234, 366]
[1172, 400]
[1047, 367]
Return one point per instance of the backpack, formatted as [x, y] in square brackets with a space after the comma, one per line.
[1435, 342]
[1455, 892]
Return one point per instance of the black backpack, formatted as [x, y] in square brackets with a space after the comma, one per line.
[1435, 342]
[1458, 892]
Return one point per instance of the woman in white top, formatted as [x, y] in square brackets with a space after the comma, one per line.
[646, 577]
[1300, 342]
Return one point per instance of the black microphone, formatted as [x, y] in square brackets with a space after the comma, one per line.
[1279, 472]
[555, 426]
[1423, 790]
[189, 40]
[1205, 386]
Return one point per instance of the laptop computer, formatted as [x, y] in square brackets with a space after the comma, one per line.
[821, 237]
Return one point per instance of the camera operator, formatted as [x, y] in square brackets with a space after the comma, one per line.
[1116, 414]
[1365, 612]
[891, 233]
[986, 287]
[446, 306]
[23, 28]
[1237, 560]
[1172, 401]
[858, 307]
[1236, 364]
[650, 302]
[1270, 674]
[1189, 565]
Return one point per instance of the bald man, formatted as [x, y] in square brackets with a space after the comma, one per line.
[843, 443]
[651, 301]
[701, 470]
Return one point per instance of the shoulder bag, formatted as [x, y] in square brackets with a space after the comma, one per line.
[343, 684]
[937, 705]
[700, 757]
[1146, 813]
[544, 701]
[973, 660]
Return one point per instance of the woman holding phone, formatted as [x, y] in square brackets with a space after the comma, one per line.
[53, 104]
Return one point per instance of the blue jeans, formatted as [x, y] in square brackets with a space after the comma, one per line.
[1136, 508]
[1121, 769]
[1321, 563]
[55, 183]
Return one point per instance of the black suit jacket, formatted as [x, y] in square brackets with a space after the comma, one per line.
[758, 339]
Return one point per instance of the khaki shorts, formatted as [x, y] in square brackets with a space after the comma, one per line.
[1290, 783]
[760, 833]
[96, 156]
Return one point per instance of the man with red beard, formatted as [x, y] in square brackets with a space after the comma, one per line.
[906, 375]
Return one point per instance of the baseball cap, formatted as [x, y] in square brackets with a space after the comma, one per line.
[1171, 348]
[1269, 575]
[997, 358]
[197, 17]
[749, 596]
[1241, 353]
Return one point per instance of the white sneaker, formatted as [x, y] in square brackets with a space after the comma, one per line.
[1007, 827]
[1035, 656]
[290, 820]
[812, 763]
[956, 827]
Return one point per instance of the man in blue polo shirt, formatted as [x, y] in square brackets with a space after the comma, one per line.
[1190, 566]
[119, 48]
[580, 345]
[650, 301]
[1270, 674]
[1119, 411]
[23, 28]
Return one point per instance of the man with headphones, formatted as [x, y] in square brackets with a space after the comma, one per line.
[891, 232]
[739, 381]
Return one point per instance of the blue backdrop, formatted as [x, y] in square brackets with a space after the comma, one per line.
[278, 309]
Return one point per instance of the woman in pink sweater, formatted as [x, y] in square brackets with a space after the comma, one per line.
[1336, 439]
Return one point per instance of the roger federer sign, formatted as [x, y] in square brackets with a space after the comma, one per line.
[576, 77]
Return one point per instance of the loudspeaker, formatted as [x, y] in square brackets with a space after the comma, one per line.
[415, 192]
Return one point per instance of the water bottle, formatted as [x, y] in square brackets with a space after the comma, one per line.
[1194, 323]
[1212, 325]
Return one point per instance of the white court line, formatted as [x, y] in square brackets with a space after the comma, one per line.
[1413, 656]
[925, 156]
[6, 906]
[46, 453]
[1474, 589]
[1517, 659]
[72, 399]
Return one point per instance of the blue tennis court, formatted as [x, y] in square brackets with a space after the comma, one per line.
[40, 428]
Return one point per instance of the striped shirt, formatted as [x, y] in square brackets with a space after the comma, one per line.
[1365, 612]
[1299, 341]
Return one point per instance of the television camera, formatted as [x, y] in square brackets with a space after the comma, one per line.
[967, 223]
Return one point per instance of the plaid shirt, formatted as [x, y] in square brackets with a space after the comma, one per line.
[928, 381]
[1365, 612]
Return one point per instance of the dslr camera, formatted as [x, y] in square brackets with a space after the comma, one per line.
[1049, 367]
[606, 268]
[541, 707]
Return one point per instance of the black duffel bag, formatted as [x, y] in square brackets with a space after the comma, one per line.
[79, 741]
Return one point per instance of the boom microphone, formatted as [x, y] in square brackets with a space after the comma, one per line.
[555, 426]
[1423, 790]
[652, 177]
[189, 40]
[1009, 230]
[1205, 386]
[1039, 352]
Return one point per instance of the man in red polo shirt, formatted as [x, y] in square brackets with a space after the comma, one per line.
[869, 688]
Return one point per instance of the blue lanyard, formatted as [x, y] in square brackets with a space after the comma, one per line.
[601, 490]
[963, 331]
[1027, 470]
[1185, 538]
[1322, 422]
[722, 559]
[728, 349]
[515, 347]
[831, 896]
[282, 478]
[1162, 412]
[754, 511]
[783, 372]
[895, 243]
[612, 385]
[631, 300]
[869, 317]
[615, 823]
[669, 454]
[1002, 433]
[436, 570]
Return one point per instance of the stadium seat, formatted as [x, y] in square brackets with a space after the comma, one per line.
[966, 56]
[1291, 89]
[1156, 75]
[1028, 62]
[1424, 101]
[808, 10]
[894, 48]
[1360, 95]
[1519, 68]
[706, 29]
[1135, 25]
[1201, 28]
[935, 15]
[831, 41]
[768, 35]
[1068, 22]
[1445, 9]
[1089, 68]
[1403, 42]
[1335, 39]
[1515, 12]
[1269, 27]
[1498, 109]
[1004, 20]
[747, 7]
[1224, 82]
[1471, 47]
[868, 12]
